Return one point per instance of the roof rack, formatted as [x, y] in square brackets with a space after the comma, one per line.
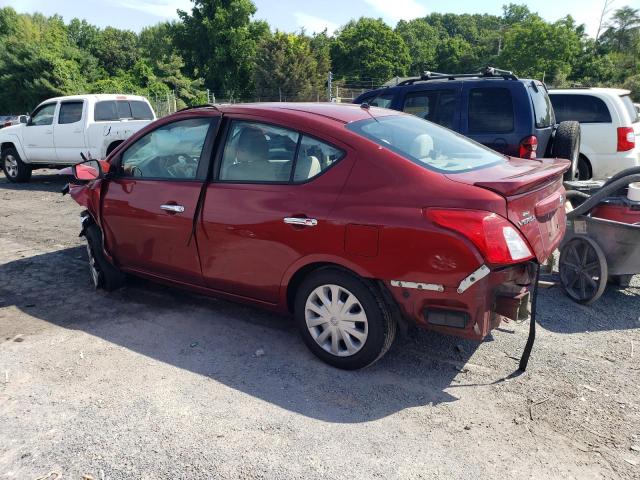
[488, 72]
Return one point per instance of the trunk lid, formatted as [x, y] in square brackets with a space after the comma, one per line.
[534, 195]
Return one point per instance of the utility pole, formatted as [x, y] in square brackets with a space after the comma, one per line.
[329, 86]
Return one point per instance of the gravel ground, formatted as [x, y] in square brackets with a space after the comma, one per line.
[150, 383]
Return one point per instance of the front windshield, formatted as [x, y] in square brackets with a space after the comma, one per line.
[426, 144]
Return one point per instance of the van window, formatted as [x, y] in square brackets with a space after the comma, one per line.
[542, 109]
[580, 108]
[70, 112]
[438, 106]
[490, 110]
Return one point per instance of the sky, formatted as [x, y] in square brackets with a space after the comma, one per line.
[313, 16]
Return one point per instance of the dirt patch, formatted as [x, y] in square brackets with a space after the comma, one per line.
[149, 382]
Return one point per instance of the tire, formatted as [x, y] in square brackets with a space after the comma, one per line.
[104, 275]
[584, 169]
[566, 144]
[369, 336]
[14, 168]
[583, 270]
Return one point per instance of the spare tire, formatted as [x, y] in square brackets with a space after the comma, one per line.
[566, 144]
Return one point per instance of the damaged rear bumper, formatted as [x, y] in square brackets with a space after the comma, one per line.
[474, 307]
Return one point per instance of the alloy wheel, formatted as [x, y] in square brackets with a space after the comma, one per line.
[11, 166]
[336, 320]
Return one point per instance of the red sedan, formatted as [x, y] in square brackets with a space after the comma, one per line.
[352, 218]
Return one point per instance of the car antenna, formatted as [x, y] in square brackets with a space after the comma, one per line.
[366, 107]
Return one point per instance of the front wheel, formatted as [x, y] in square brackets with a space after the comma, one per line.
[104, 274]
[14, 168]
[343, 320]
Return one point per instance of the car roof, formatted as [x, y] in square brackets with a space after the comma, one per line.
[618, 92]
[97, 97]
[438, 82]
[341, 112]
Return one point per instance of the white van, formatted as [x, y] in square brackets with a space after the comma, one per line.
[610, 126]
[62, 128]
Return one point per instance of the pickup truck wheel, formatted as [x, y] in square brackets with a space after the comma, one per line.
[343, 320]
[566, 144]
[14, 168]
[103, 273]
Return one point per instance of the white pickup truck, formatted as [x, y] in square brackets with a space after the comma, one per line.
[59, 129]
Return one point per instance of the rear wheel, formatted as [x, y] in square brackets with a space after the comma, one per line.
[583, 270]
[103, 273]
[343, 320]
[14, 168]
[566, 144]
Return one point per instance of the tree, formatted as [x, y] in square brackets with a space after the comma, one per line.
[422, 40]
[218, 41]
[116, 50]
[286, 68]
[623, 29]
[538, 49]
[369, 50]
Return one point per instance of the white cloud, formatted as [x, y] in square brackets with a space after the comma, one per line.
[159, 8]
[395, 10]
[314, 24]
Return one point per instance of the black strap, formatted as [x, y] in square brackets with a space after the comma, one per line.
[524, 360]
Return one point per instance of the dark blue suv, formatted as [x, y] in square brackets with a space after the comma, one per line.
[510, 115]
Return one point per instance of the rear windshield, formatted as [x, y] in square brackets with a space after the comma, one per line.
[490, 110]
[541, 105]
[631, 108]
[426, 144]
[114, 110]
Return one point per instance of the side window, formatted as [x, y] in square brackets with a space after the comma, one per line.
[44, 115]
[438, 106]
[581, 108]
[542, 108]
[105, 111]
[383, 100]
[256, 152]
[70, 112]
[171, 152]
[490, 110]
[314, 157]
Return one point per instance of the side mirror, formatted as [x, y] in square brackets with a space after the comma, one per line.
[87, 171]
[24, 119]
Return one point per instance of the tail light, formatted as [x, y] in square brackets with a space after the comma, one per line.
[496, 238]
[626, 139]
[528, 147]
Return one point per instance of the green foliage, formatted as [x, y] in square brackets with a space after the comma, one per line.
[218, 41]
[218, 45]
[633, 84]
[286, 68]
[369, 49]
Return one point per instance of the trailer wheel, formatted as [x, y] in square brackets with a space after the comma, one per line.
[583, 270]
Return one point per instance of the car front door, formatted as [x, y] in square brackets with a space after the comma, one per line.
[68, 131]
[148, 208]
[268, 207]
[38, 134]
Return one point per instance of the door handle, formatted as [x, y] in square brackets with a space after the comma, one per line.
[48, 132]
[172, 208]
[302, 222]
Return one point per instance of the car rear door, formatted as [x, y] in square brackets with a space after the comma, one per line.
[68, 131]
[268, 206]
[38, 134]
[148, 208]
